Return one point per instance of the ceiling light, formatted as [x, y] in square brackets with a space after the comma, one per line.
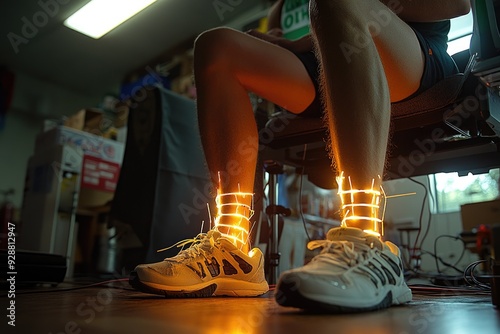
[98, 17]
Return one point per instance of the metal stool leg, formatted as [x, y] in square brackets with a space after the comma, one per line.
[273, 210]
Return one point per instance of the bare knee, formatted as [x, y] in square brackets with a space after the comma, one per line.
[367, 14]
[325, 6]
[338, 9]
[212, 49]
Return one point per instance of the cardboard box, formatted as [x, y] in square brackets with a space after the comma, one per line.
[89, 120]
[102, 158]
[91, 144]
[121, 116]
[184, 85]
[91, 198]
[95, 122]
[475, 214]
[75, 121]
[49, 124]
[99, 174]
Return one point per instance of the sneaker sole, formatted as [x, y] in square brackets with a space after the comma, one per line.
[210, 289]
[287, 295]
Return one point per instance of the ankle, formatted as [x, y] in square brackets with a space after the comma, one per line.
[232, 220]
[360, 207]
[233, 228]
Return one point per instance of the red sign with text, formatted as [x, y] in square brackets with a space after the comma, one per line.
[99, 174]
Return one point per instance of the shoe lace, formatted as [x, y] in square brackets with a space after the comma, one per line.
[341, 253]
[198, 245]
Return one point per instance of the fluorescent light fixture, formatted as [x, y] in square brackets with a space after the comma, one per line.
[98, 17]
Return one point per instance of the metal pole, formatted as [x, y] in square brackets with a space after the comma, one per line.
[274, 255]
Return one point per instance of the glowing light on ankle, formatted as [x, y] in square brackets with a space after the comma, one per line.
[376, 234]
[229, 206]
[351, 205]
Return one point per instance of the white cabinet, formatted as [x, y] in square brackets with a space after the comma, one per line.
[50, 200]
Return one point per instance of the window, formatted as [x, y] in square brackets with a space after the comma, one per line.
[449, 191]
[460, 33]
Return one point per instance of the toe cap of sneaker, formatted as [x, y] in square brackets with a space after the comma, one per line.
[328, 288]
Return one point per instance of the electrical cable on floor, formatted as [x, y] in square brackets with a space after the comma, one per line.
[472, 280]
[466, 283]
[28, 292]
[468, 276]
[428, 289]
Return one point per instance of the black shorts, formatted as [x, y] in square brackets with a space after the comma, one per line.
[438, 65]
[312, 67]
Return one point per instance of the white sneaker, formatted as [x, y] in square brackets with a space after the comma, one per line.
[211, 266]
[354, 272]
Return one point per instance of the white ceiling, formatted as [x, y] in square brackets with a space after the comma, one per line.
[57, 55]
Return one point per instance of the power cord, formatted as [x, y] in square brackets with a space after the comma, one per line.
[74, 288]
[301, 211]
[420, 221]
[472, 280]
[436, 257]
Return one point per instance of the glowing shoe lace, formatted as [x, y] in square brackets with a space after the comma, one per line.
[341, 253]
[198, 245]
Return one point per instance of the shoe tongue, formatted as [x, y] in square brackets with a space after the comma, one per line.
[218, 236]
[353, 234]
[339, 233]
[214, 234]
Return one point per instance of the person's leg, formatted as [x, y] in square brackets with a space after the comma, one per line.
[227, 66]
[369, 58]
